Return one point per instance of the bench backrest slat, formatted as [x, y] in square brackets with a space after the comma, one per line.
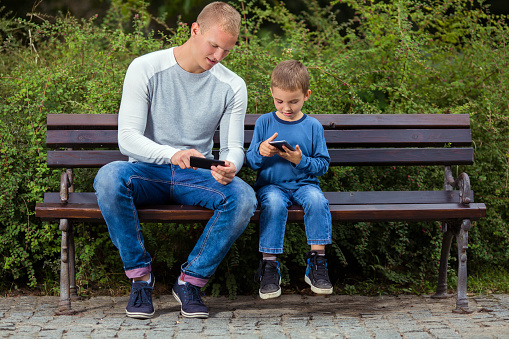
[347, 138]
[401, 157]
[343, 157]
[78, 159]
[335, 121]
[94, 121]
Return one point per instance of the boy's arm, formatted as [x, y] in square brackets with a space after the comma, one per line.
[316, 166]
[253, 157]
[318, 163]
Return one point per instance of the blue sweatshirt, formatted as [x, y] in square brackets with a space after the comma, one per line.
[308, 133]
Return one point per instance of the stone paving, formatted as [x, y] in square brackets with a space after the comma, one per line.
[290, 316]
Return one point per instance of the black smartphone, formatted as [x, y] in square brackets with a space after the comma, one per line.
[279, 145]
[205, 162]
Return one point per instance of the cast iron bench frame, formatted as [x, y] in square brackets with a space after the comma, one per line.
[90, 141]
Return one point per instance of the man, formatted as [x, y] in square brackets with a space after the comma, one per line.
[172, 102]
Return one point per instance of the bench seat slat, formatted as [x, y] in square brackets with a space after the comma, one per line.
[334, 198]
[183, 213]
[393, 197]
[408, 212]
[349, 138]
[335, 121]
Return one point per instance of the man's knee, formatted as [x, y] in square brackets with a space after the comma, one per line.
[109, 178]
[243, 197]
[246, 199]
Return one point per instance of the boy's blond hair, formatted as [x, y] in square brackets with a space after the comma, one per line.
[222, 14]
[290, 75]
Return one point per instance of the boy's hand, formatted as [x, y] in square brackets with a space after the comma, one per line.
[292, 156]
[266, 149]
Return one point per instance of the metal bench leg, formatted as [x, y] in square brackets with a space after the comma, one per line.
[444, 260]
[64, 304]
[462, 240]
[72, 265]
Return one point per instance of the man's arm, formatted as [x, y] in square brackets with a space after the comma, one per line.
[231, 127]
[132, 118]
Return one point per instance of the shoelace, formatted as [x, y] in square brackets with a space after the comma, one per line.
[319, 265]
[142, 294]
[193, 293]
[267, 270]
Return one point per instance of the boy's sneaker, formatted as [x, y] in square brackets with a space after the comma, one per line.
[189, 298]
[317, 275]
[269, 277]
[140, 300]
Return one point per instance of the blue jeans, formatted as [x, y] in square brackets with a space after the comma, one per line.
[121, 186]
[274, 203]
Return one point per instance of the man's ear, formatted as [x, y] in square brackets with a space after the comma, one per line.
[195, 29]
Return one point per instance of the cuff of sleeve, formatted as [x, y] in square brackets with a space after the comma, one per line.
[171, 152]
[303, 163]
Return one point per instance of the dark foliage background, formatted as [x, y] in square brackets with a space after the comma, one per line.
[365, 57]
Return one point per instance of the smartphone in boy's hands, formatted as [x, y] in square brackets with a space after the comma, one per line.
[279, 145]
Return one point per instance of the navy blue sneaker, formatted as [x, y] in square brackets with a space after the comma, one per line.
[269, 277]
[317, 275]
[140, 300]
[189, 298]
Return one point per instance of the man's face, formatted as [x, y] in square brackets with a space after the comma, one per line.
[210, 47]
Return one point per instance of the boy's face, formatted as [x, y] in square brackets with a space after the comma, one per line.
[289, 103]
[210, 47]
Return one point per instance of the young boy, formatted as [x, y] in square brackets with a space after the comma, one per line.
[289, 176]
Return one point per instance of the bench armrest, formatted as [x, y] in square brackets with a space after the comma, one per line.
[65, 186]
[462, 183]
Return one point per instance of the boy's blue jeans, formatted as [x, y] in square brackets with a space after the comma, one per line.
[121, 186]
[274, 203]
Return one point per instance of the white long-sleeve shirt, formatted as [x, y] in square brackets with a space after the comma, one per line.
[165, 109]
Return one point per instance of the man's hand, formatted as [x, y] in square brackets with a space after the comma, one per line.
[224, 174]
[291, 156]
[182, 158]
[266, 149]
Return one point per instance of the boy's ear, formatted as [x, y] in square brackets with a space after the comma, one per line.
[307, 95]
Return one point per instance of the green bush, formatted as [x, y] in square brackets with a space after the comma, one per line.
[404, 57]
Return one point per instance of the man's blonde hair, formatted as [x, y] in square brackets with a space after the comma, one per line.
[290, 75]
[221, 14]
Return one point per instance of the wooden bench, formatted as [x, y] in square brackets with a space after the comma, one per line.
[90, 141]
